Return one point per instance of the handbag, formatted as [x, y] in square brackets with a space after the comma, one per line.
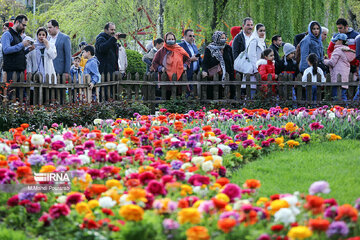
[242, 62]
[214, 70]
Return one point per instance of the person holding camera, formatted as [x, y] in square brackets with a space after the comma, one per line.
[13, 47]
[107, 49]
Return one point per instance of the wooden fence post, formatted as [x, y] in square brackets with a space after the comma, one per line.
[338, 77]
[174, 87]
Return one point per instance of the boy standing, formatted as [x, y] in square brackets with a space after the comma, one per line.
[92, 65]
[75, 71]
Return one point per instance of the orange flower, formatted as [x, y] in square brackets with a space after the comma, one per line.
[189, 215]
[319, 224]
[47, 169]
[128, 132]
[207, 128]
[24, 125]
[137, 194]
[197, 233]
[226, 224]
[178, 126]
[222, 181]
[132, 183]
[98, 188]
[252, 183]
[347, 211]
[249, 218]
[219, 204]
[171, 155]
[314, 203]
[23, 171]
[3, 164]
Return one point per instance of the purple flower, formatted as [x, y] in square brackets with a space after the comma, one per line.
[206, 206]
[15, 164]
[170, 224]
[337, 229]
[357, 204]
[319, 187]
[247, 143]
[233, 146]
[158, 151]
[36, 159]
[231, 214]
[26, 195]
[164, 168]
[109, 122]
[176, 164]
[179, 175]
[191, 144]
[331, 212]
[264, 237]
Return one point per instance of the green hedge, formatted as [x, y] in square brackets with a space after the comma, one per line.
[135, 63]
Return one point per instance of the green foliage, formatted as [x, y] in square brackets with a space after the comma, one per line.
[80, 114]
[135, 63]
[334, 162]
[178, 105]
[9, 234]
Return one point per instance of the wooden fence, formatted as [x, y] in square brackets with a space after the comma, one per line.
[154, 89]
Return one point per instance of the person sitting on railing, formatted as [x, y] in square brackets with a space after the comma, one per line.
[313, 70]
[92, 67]
[171, 58]
[339, 63]
[265, 67]
[218, 58]
[288, 65]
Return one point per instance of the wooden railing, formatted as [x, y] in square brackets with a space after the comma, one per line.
[154, 88]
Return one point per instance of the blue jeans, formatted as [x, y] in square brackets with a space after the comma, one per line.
[357, 94]
[313, 93]
[343, 93]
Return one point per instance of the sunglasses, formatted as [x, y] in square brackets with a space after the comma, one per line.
[191, 35]
[262, 31]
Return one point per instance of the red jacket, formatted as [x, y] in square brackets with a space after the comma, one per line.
[266, 67]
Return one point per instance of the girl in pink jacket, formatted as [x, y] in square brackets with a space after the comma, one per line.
[339, 63]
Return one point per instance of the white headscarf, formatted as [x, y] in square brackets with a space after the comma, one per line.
[260, 41]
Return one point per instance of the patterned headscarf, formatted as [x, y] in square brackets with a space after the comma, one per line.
[215, 48]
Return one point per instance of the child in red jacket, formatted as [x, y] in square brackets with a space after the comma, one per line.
[265, 67]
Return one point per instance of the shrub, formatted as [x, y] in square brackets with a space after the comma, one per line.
[135, 63]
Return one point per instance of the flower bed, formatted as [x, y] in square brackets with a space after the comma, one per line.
[165, 177]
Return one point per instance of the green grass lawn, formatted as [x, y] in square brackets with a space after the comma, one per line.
[338, 163]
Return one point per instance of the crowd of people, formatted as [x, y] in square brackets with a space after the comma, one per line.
[49, 53]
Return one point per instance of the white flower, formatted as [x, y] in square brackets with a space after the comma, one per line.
[300, 115]
[285, 215]
[98, 121]
[5, 149]
[61, 199]
[37, 140]
[84, 159]
[57, 138]
[106, 202]
[207, 166]
[130, 171]
[331, 115]
[200, 190]
[198, 144]
[238, 204]
[122, 148]
[197, 160]
[292, 201]
[123, 200]
[110, 145]
[226, 149]
[186, 165]
[69, 145]
[214, 151]
[174, 139]
[188, 175]
[217, 158]
[212, 138]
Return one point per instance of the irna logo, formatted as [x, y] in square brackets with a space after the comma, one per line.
[51, 177]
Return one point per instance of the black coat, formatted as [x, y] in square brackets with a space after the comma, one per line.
[276, 52]
[238, 45]
[210, 61]
[107, 52]
[298, 38]
[291, 66]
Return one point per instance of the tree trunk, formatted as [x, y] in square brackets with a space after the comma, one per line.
[161, 18]
[218, 12]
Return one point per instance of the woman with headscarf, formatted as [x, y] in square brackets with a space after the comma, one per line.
[255, 47]
[171, 58]
[43, 56]
[311, 44]
[218, 57]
